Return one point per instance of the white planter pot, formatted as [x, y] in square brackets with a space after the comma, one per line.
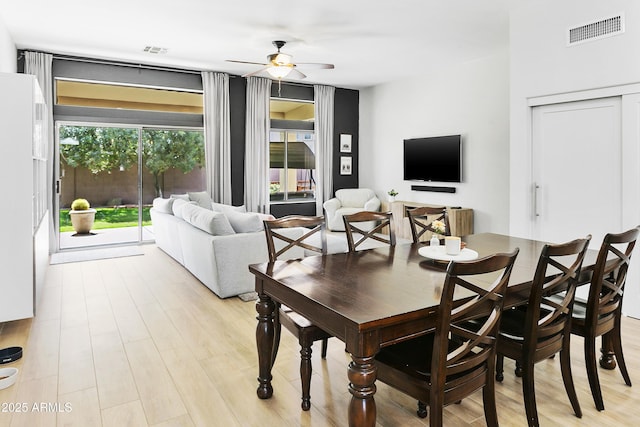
[82, 221]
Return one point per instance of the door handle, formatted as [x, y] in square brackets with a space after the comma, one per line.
[536, 189]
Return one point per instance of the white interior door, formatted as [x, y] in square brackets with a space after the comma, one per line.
[631, 194]
[577, 168]
[585, 174]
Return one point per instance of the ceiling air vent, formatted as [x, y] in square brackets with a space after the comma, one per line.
[596, 30]
[155, 49]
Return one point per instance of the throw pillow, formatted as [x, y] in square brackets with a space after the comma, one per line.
[163, 205]
[245, 222]
[214, 223]
[177, 206]
[202, 198]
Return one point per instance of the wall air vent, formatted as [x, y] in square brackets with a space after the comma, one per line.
[155, 49]
[596, 30]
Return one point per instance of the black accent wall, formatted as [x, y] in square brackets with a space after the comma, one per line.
[237, 115]
[346, 121]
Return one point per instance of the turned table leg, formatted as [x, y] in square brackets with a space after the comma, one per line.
[362, 377]
[265, 342]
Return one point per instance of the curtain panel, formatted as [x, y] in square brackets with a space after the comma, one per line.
[217, 139]
[39, 64]
[258, 123]
[324, 107]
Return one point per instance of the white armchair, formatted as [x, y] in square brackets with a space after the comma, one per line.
[346, 202]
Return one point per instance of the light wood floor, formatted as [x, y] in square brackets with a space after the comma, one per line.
[138, 341]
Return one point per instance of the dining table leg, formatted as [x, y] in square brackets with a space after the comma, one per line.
[362, 376]
[265, 342]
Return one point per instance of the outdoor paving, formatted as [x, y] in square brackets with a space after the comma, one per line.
[106, 237]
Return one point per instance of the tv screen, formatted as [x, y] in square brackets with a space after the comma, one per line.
[436, 158]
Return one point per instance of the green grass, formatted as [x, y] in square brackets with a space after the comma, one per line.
[109, 218]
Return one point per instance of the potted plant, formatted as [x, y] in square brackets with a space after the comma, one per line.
[82, 216]
[392, 195]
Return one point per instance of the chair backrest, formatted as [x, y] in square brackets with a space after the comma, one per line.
[609, 276]
[380, 219]
[557, 273]
[421, 220]
[312, 224]
[354, 197]
[475, 347]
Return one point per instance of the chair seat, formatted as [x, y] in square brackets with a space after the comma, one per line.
[512, 324]
[413, 357]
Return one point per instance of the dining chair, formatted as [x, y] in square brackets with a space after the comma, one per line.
[602, 312]
[542, 328]
[451, 361]
[374, 223]
[421, 218]
[298, 325]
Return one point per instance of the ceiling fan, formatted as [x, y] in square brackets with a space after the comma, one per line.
[280, 65]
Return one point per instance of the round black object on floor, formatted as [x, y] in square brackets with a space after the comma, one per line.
[10, 354]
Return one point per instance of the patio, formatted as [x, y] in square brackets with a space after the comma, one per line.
[105, 237]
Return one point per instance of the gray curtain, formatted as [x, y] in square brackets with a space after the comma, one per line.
[39, 65]
[324, 100]
[258, 123]
[217, 140]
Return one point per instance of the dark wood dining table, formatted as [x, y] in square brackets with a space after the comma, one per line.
[370, 299]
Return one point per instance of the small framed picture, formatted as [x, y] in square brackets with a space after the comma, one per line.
[345, 165]
[345, 143]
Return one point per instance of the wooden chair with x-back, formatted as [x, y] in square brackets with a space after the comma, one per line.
[602, 312]
[365, 225]
[538, 330]
[278, 243]
[453, 361]
[421, 220]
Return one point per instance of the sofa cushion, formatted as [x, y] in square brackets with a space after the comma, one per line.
[163, 205]
[245, 222]
[214, 223]
[177, 206]
[202, 198]
[184, 196]
[220, 207]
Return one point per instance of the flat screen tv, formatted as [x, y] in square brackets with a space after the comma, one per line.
[437, 158]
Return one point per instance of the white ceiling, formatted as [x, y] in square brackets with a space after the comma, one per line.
[370, 42]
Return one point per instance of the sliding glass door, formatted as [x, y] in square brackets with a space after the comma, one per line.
[119, 171]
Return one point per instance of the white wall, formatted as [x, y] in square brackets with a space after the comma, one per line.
[8, 51]
[471, 99]
[541, 64]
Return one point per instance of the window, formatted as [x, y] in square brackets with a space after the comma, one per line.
[292, 160]
[292, 163]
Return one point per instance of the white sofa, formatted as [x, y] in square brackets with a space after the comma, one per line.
[216, 247]
[348, 201]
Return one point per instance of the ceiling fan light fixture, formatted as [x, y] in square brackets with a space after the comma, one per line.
[279, 72]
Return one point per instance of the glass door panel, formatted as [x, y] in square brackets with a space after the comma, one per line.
[103, 165]
[99, 164]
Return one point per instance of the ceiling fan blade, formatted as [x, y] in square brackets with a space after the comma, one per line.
[246, 62]
[296, 74]
[315, 65]
[255, 73]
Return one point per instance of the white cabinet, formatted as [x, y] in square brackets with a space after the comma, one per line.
[23, 217]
